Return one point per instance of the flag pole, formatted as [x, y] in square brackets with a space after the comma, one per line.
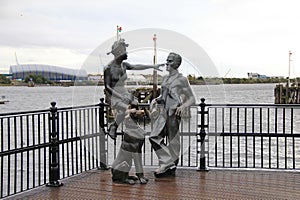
[290, 54]
[154, 70]
[117, 32]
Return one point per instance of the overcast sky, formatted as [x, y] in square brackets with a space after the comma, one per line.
[239, 36]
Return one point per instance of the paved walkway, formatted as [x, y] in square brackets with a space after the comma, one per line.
[188, 184]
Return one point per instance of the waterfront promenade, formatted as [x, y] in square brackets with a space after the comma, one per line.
[188, 184]
[252, 151]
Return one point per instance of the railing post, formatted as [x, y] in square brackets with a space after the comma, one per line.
[103, 162]
[54, 148]
[202, 135]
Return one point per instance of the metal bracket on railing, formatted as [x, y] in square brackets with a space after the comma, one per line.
[201, 137]
[54, 148]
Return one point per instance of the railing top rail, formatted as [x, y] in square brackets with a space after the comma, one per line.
[256, 105]
[77, 107]
[24, 112]
[46, 110]
[147, 105]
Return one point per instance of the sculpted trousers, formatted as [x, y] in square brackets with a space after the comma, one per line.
[166, 126]
[131, 149]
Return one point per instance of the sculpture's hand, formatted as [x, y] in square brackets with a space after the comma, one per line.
[157, 66]
[180, 110]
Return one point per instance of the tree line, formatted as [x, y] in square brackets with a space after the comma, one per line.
[219, 80]
[39, 79]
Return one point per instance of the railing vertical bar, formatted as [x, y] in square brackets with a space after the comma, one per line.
[80, 134]
[68, 144]
[197, 143]
[59, 132]
[16, 155]
[72, 143]
[230, 131]
[188, 142]
[189, 146]
[144, 146]
[238, 130]
[181, 144]
[76, 142]
[253, 130]
[285, 139]
[62, 136]
[49, 148]
[88, 131]
[277, 140]
[2, 162]
[293, 138]
[261, 138]
[33, 151]
[223, 138]
[8, 157]
[93, 139]
[45, 149]
[28, 158]
[86, 147]
[21, 138]
[74, 133]
[246, 139]
[85, 141]
[97, 130]
[216, 137]
[270, 140]
[39, 150]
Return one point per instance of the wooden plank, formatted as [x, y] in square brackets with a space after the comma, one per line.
[188, 184]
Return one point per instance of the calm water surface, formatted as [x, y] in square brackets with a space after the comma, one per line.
[36, 98]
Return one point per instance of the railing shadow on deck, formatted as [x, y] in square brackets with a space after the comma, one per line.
[43, 147]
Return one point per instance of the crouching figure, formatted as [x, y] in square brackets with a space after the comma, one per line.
[131, 149]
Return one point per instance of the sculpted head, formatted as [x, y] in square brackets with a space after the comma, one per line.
[174, 60]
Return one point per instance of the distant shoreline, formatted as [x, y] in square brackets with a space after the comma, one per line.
[57, 85]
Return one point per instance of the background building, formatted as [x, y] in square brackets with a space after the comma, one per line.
[52, 73]
[136, 79]
[256, 76]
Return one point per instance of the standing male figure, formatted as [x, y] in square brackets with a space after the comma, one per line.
[114, 81]
[176, 96]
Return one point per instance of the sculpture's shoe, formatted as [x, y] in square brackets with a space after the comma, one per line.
[165, 170]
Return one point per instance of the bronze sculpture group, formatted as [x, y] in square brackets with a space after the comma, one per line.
[176, 96]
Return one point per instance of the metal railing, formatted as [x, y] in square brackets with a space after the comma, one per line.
[43, 147]
[254, 136]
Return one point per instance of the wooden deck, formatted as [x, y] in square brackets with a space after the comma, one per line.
[188, 184]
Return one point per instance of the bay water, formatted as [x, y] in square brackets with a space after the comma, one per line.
[39, 98]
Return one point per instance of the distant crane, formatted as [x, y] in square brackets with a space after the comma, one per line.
[17, 62]
[227, 73]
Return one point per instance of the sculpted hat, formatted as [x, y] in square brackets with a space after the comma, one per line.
[119, 48]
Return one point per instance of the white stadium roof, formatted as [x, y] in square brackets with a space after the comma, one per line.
[46, 68]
